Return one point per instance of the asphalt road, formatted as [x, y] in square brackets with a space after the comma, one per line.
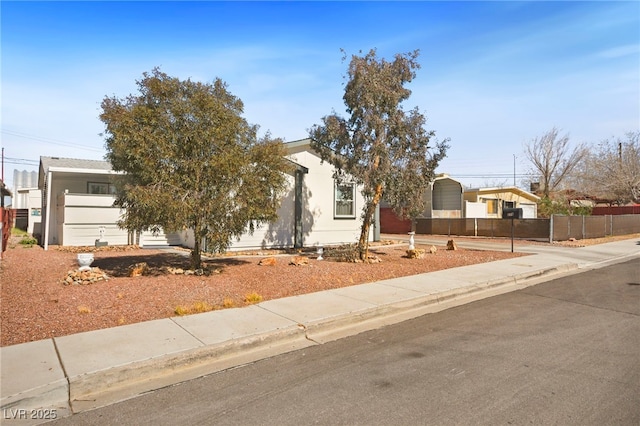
[565, 352]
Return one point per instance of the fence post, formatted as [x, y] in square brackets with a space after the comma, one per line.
[551, 229]
[584, 230]
[475, 226]
[610, 224]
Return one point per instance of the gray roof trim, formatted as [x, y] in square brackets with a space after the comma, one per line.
[73, 164]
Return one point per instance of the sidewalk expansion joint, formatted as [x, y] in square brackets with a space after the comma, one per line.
[64, 371]
[187, 331]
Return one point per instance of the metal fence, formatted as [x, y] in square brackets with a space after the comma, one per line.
[557, 228]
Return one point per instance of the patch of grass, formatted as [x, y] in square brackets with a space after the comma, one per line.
[252, 298]
[17, 232]
[200, 307]
[84, 309]
[197, 308]
[228, 303]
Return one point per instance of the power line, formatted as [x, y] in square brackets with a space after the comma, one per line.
[50, 141]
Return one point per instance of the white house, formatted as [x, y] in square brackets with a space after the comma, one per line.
[77, 202]
[315, 211]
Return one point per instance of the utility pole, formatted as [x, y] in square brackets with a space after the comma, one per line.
[514, 170]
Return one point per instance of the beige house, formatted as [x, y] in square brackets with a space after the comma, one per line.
[490, 202]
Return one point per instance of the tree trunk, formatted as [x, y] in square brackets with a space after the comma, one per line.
[363, 243]
[196, 258]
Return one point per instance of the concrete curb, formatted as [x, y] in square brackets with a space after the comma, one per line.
[104, 387]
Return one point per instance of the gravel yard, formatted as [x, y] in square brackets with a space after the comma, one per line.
[37, 303]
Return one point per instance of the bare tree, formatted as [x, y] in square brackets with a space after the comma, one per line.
[553, 159]
[611, 171]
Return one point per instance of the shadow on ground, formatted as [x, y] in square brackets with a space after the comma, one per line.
[119, 266]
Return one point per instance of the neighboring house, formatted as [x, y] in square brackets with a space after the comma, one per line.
[78, 201]
[489, 202]
[442, 199]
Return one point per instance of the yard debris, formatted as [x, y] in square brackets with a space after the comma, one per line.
[77, 277]
[268, 261]
[299, 260]
[433, 249]
[451, 245]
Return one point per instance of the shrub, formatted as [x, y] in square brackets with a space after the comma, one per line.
[252, 298]
[28, 241]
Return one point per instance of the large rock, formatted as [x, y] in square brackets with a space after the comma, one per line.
[451, 245]
[139, 269]
[415, 253]
[299, 261]
[268, 261]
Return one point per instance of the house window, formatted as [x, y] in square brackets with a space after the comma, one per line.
[508, 204]
[492, 206]
[344, 200]
[100, 188]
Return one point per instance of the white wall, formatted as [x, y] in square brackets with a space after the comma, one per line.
[80, 216]
[34, 204]
[475, 210]
[529, 211]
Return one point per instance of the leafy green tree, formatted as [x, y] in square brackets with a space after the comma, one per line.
[380, 146]
[190, 161]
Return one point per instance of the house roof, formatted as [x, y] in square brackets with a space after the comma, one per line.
[48, 163]
[71, 165]
[4, 190]
[497, 190]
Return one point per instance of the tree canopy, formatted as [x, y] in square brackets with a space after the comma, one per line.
[611, 170]
[191, 161]
[553, 159]
[380, 146]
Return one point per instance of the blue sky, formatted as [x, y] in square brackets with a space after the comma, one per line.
[493, 76]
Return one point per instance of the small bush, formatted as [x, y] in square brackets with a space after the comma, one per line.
[181, 310]
[84, 310]
[228, 303]
[252, 298]
[28, 241]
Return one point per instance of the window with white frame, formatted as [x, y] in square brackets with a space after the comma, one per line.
[100, 188]
[344, 200]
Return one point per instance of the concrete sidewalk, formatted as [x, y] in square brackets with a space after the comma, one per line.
[56, 377]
